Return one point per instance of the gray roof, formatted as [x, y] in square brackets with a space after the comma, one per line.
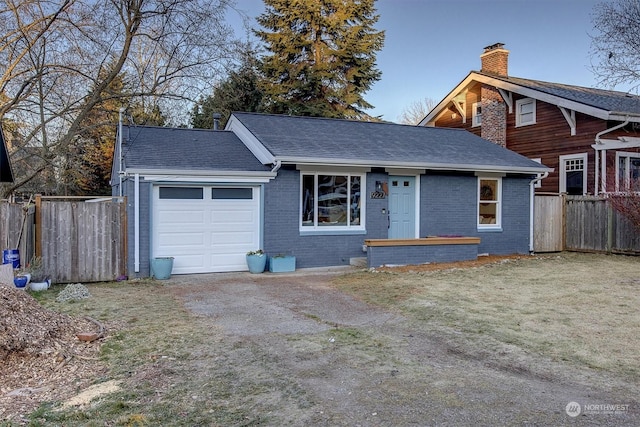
[334, 141]
[608, 100]
[150, 147]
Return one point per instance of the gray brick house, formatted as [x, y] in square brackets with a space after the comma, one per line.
[321, 190]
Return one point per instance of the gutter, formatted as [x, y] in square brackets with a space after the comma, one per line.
[414, 165]
[532, 193]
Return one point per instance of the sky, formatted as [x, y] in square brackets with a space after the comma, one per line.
[431, 45]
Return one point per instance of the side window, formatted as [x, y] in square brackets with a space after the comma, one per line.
[573, 174]
[476, 114]
[525, 112]
[489, 202]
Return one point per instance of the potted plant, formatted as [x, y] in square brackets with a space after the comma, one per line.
[282, 263]
[256, 261]
[37, 279]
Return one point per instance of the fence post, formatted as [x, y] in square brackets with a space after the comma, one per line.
[609, 226]
[38, 226]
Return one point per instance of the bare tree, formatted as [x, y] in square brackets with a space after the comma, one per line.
[62, 56]
[616, 44]
[416, 111]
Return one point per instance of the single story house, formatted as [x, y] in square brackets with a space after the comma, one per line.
[323, 190]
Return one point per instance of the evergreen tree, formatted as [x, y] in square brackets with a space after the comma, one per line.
[238, 92]
[322, 56]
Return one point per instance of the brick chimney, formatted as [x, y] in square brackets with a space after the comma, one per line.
[494, 111]
[495, 60]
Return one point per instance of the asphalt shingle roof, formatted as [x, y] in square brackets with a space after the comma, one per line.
[608, 100]
[330, 140]
[150, 147]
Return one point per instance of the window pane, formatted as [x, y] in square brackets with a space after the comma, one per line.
[622, 173]
[307, 199]
[526, 108]
[488, 213]
[488, 189]
[574, 183]
[634, 169]
[232, 193]
[355, 200]
[332, 200]
[181, 193]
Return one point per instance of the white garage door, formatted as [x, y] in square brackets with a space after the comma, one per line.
[205, 228]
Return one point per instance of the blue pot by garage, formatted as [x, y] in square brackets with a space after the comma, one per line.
[161, 267]
[256, 263]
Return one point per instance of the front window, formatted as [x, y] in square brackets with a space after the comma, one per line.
[331, 201]
[525, 112]
[489, 202]
[628, 165]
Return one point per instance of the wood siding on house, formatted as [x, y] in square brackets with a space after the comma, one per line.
[548, 139]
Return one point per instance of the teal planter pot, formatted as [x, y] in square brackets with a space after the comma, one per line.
[161, 267]
[256, 263]
[282, 264]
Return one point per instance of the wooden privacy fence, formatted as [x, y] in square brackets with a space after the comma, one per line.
[82, 241]
[593, 225]
[583, 224]
[548, 223]
[17, 229]
[78, 240]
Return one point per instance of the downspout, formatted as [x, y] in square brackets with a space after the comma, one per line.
[532, 192]
[604, 166]
[276, 166]
[136, 224]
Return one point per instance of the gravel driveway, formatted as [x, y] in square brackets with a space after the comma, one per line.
[321, 357]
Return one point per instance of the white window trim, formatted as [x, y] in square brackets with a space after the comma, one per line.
[538, 183]
[563, 171]
[327, 229]
[519, 103]
[498, 202]
[475, 116]
[628, 155]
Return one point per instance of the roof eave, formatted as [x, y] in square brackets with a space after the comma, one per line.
[252, 143]
[413, 165]
[199, 172]
[528, 92]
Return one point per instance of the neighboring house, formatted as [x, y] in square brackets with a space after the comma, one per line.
[314, 188]
[590, 137]
[6, 173]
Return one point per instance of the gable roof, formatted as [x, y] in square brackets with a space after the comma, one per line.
[319, 141]
[160, 149]
[600, 103]
[6, 173]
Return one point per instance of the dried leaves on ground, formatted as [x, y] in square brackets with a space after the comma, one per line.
[41, 357]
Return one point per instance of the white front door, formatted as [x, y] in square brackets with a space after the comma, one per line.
[402, 207]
